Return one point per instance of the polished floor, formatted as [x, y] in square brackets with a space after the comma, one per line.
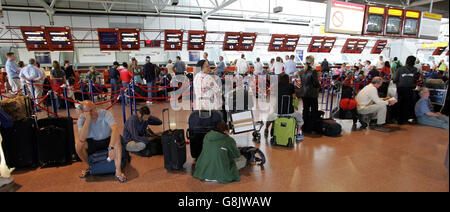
[409, 159]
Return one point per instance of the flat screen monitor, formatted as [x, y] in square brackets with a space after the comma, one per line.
[394, 25]
[410, 26]
[108, 38]
[375, 23]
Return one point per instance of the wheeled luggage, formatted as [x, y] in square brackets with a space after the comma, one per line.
[51, 146]
[200, 123]
[174, 146]
[19, 144]
[68, 138]
[284, 128]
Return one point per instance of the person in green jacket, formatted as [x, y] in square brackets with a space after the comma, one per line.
[217, 162]
[396, 64]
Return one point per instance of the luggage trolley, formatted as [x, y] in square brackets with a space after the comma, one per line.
[242, 122]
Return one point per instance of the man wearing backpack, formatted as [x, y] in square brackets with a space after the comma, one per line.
[396, 64]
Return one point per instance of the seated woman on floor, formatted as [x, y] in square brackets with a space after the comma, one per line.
[220, 159]
[425, 116]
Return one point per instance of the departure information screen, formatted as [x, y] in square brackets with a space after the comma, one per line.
[231, 42]
[108, 39]
[129, 39]
[291, 42]
[60, 38]
[197, 40]
[248, 41]
[173, 40]
[35, 38]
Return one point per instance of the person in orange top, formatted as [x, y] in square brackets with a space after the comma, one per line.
[126, 76]
[386, 70]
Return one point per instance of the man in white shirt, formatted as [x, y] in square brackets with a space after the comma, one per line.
[380, 63]
[290, 67]
[258, 67]
[367, 68]
[31, 74]
[369, 103]
[242, 65]
[278, 66]
[207, 91]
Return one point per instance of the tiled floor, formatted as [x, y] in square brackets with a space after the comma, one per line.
[409, 159]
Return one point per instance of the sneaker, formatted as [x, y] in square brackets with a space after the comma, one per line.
[381, 129]
[299, 137]
[135, 147]
[364, 125]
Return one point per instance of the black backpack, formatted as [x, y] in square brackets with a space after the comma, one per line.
[253, 154]
[331, 128]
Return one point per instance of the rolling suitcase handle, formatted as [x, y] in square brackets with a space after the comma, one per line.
[289, 103]
[168, 118]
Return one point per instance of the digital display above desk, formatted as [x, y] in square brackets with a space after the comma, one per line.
[231, 41]
[35, 38]
[196, 40]
[60, 38]
[173, 40]
[108, 39]
[129, 39]
[248, 41]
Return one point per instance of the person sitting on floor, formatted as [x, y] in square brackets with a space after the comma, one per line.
[97, 130]
[135, 127]
[425, 116]
[220, 159]
[369, 102]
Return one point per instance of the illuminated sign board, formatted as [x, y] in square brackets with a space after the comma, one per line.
[344, 17]
[129, 39]
[173, 40]
[196, 40]
[232, 41]
[60, 38]
[35, 38]
[379, 47]
[108, 39]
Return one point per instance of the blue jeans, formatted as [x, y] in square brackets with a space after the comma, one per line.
[438, 121]
[114, 87]
[150, 84]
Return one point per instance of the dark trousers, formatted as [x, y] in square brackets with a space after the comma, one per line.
[406, 104]
[310, 112]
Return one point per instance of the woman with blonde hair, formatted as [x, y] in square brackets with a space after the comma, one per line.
[136, 70]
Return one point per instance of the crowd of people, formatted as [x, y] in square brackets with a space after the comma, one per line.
[367, 83]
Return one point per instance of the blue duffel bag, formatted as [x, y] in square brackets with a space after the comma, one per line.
[99, 164]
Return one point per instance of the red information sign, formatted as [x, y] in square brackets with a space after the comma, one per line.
[60, 38]
[354, 46]
[197, 40]
[129, 39]
[291, 43]
[379, 47]
[35, 38]
[316, 44]
[173, 40]
[439, 51]
[247, 41]
[328, 45]
[232, 41]
[277, 43]
[108, 39]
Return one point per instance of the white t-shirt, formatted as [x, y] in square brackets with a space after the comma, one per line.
[380, 64]
[258, 68]
[241, 66]
[278, 67]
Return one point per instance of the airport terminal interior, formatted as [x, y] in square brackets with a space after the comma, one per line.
[224, 96]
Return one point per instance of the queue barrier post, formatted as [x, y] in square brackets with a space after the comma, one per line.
[25, 90]
[82, 90]
[328, 97]
[91, 90]
[134, 95]
[332, 98]
[122, 98]
[52, 102]
[33, 95]
[129, 100]
[67, 102]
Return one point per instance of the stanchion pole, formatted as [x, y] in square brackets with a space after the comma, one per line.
[129, 100]
[1, 98]
[82, 91]
[91, 90]
[33, 95]
[51, 102]
[122, 98]
[332, 98]
[134, 95]
[328, 97]
[25, 89]
[67, 102]
[192, 95]
[165, 87]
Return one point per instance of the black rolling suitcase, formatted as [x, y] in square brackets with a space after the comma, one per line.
[174, 146]
[200, 123]
[19, 144]
[56, 141]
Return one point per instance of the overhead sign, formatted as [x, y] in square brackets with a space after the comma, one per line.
[354, 46]
[94, 56]
[344, 17]
[439, 51]
[430, 26]
[277, 43]
[316, 44]
[411, 24]
[434, 45]
[60, 38]
[108, 39]
[231, 41]
[247, 41]
[35, 38]
[173, 40]
[394, 22]
[291, 43]
[374, 20]
[379, 47]
[129, 39]
[196, 40]
[327, 45]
